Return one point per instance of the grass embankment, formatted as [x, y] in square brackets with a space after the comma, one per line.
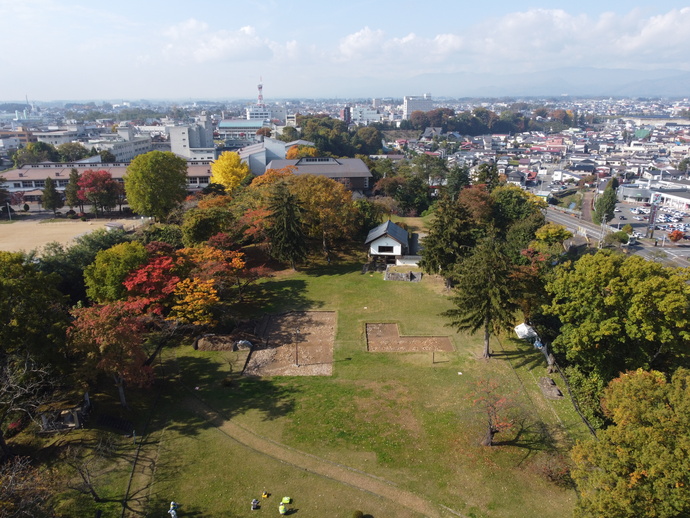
[395, 416]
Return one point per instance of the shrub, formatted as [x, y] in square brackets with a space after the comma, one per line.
[358, 514]
[26, 207]
[555, 468]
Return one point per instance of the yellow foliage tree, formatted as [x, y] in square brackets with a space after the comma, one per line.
[194, 302]
[301, 152]
[229, 171]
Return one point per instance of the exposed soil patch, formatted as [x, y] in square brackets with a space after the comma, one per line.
[386, 338]
[294, 344]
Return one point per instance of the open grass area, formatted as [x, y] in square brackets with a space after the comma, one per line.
[405, 418]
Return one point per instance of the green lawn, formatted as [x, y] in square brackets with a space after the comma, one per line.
[396, 416]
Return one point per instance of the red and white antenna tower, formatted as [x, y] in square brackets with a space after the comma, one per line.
[260, 101]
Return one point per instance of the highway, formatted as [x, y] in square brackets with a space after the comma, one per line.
[676, 255]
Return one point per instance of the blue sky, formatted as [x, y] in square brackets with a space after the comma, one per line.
[218, 49]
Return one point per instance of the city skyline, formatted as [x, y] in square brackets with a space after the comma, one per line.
[73, 50]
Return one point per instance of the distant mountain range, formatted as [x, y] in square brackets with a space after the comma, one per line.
[580, 82]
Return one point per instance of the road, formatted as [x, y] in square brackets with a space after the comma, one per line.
[676, 255]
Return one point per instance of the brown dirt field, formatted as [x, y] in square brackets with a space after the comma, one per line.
[314, 345]
[386, 338]
[36, 232]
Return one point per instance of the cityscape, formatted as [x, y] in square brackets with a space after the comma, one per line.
[379, 260]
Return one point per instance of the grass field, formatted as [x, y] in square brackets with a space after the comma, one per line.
[397, 416]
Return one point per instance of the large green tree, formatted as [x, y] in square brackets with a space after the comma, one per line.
[105, 276]
[72, 191]
[452, 235]
[200, 224]
[483, 299]
[605, 205]
[35, 153]
[32, 310]
[620, 313]
[51, 199]
[69, 262]
[33, 318]
[72, 151]
[156, 183]
[638, 467]
[286, 230]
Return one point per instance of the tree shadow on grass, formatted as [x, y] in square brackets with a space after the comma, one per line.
[276, 295]
[201, 381]
[521, 354]
[333, 269]
[530, 435]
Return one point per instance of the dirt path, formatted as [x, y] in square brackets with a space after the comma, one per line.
[312, 464]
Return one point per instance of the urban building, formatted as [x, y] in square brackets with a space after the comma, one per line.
[413, 103]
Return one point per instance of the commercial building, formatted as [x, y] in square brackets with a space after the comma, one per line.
[413, 103]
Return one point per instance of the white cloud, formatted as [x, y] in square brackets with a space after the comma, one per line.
[192, 41]
[536, 39]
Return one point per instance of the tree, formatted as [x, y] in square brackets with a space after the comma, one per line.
[264, 132]
[25, 385]
[452, 235]
[553, 234]
[285, 231]
[156, 183]
[487, 174]
[493, 405]
[72, 152]
[99, 189]
[24, 489]
[68, 263]
[105, 277]
[33, 316]
[676, 235]
[638, 466]
[620, 313]
[512, 204]
[327, 206]
[109, 339]
[107, 156]
[51, 199]
[483, 298]
[194, 302]
[604, 205]
[200, 224]
[289, 134]
[229, 170]
[35, 153]
[301, 151]
[457, 179]
[72, 191]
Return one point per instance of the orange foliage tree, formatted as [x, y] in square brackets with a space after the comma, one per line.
[296, 152]
[109, 339]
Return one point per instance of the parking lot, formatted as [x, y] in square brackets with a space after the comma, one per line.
[637, 215]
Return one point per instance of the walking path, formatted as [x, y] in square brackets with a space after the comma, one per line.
[312, 464]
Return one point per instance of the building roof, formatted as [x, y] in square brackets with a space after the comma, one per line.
[330, 167]
[388, 228]
[59, 170]
[241, 124]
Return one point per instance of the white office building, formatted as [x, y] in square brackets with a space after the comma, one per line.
[415, 103]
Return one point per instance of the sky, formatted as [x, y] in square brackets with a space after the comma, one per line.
[221, 49]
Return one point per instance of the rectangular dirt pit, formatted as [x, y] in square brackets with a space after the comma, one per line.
[298, 343]
[385, 338]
